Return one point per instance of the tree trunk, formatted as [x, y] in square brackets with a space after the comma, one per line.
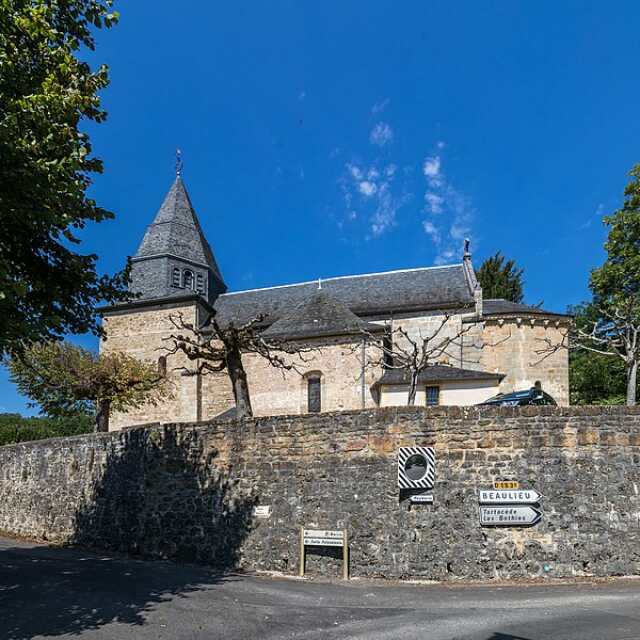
[413, 387]
[632, 379]
[102, 416]
[239, 383]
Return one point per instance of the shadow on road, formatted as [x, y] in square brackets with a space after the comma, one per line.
[505, 636]
[161, 496]
[53, 592]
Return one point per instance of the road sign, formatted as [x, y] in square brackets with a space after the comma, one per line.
[422, 498]
[416, 467]
[324, 538]
[262, 511]
[321, 538]
[518, 496]
[506, 484]
[509, 516]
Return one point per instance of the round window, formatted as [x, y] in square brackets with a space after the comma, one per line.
[415, 467]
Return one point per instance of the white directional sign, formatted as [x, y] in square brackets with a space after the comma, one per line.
[422, 498]
[517, 496]
[323, 538]
[509, 516]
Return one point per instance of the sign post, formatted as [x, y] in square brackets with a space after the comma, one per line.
[325, 538]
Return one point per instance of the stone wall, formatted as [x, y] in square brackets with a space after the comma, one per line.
[188, 491]
[510, 347]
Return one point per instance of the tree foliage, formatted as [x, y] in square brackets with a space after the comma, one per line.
[15, 428]
[64, 379]
[594, 378]
[501, 279]
[47, 288]
[609, 327]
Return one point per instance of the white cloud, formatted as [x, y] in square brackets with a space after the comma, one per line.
[367, 188]
[370, 193]
[452, 209]
[381, 134]
[379, 107]
[434, 202]
[431, 167]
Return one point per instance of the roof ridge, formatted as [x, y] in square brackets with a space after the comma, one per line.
[357, 275]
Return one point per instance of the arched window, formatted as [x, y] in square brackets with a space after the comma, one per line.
[162, 366]
[175, 279]
[187, 279]
[314, 393]
[199, 283]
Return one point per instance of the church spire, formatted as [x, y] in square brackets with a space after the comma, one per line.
[174, 257]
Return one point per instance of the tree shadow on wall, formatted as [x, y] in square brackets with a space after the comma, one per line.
[159, 496]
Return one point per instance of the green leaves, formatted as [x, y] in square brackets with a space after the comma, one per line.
[64, 379]
[500, 279]
[46, 166]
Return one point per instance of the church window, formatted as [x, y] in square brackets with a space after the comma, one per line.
[187, 279]
[162, 366]
[433, 396]
[175, 279]
[314, 393]
[199, 283]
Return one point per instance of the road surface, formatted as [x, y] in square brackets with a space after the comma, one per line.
[64, 593]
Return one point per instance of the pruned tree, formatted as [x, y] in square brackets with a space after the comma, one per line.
[64, 379]
[612, 327]
[501, 278]
[215, 346]
[399, 350]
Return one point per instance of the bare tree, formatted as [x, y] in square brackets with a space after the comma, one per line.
[398, 350]
[614, 332]
[216, 347]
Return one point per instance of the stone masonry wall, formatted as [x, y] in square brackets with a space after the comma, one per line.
[510, 347]
[188, 491]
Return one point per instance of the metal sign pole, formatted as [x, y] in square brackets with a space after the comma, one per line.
[301, 572]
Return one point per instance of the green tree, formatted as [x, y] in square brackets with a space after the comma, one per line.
[500, 278]
[594, 378]
[48, 289]
[15, 428]
[616, 288]
[64, 379]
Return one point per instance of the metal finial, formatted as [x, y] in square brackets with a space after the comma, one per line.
[179, 163]
[467, 243]
[319, 283]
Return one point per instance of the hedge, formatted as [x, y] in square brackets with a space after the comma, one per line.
[16, 428]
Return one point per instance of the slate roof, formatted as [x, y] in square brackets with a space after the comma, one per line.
[505, 307]
[438, 373]
[176, 231]
[319, 315]
[364, 295]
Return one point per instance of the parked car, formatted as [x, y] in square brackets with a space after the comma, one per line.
[535, 395]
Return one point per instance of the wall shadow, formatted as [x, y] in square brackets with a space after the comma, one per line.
[159, 495]
[65, 592]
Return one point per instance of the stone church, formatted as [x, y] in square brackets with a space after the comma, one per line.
[492, 349]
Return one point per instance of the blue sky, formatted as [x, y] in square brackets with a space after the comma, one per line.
[332, 138]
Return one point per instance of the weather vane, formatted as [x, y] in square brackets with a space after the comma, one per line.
[179, 163]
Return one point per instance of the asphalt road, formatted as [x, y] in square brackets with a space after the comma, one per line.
[63, 593]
